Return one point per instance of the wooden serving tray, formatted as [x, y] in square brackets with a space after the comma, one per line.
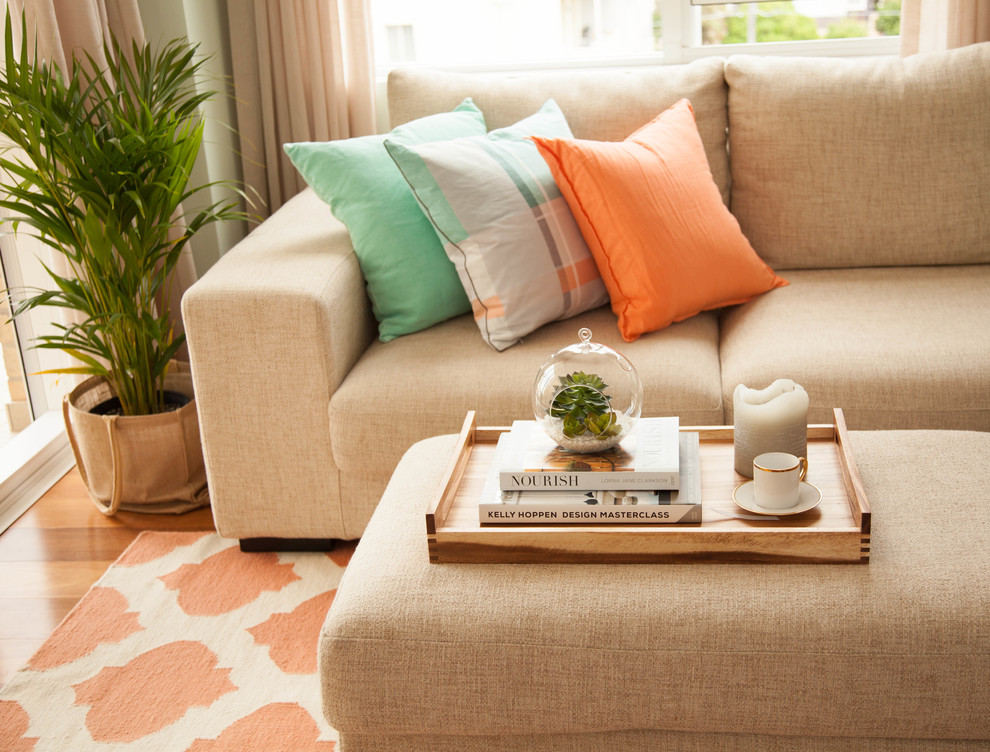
[837, 530]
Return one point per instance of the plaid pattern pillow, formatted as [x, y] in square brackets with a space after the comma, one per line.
[501, 219]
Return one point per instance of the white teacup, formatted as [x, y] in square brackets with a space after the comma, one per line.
[777, 479]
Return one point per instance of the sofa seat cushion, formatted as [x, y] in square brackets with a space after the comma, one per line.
[864, 162]
[894, 348]
[423, 384]
[896, 648]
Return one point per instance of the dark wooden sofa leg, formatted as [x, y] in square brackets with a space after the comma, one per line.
[266, 545]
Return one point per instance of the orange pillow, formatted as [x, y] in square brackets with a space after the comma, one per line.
[665, 244]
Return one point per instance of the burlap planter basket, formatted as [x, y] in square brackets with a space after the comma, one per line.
[142, 463]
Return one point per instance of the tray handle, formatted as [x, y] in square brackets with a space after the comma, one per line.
[440, 506]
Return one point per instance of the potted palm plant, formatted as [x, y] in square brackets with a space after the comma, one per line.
[97, 166]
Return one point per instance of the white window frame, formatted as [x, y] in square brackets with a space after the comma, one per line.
[32, 462]
[681, 42]
[35, 458]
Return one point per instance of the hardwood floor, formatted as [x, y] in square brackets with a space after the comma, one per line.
[53, 554]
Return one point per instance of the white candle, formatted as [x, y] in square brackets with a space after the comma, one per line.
[774, 419]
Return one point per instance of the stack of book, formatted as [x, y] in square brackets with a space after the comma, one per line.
[653, 477]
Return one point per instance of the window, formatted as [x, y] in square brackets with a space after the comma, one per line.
[401, 44]
[516, 33]
[800, 20]
[800, 27]
[557, 33]
[34, 449]
[15, 411]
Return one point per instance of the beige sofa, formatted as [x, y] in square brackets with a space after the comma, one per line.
[862, 182]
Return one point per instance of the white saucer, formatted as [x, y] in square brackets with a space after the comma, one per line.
[810, 498]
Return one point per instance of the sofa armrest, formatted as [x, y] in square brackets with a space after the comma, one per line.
[273, 328]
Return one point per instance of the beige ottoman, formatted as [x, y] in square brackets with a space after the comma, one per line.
[893, 655]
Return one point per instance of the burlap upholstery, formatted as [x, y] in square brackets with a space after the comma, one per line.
[876, 162]
[892, 655]
[424, 383]
[602, 105]
[835, 163]
[265, 361]
[894, 347]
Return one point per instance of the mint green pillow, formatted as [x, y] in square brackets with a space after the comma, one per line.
[411, 282]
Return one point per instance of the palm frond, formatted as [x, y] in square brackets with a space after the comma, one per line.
[100, 167]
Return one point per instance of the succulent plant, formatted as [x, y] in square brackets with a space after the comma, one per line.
[582, 406]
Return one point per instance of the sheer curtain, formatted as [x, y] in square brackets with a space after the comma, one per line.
[303, 71]
[63, 28]
[933, 25]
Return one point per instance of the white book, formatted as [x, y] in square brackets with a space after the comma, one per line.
[646, 459]
[616, 507]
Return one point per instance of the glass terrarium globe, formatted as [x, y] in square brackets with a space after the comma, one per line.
[587, 396]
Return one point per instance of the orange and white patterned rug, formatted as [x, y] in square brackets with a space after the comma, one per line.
[185, 644]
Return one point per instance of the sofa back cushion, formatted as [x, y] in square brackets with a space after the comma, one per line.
[864, 162]
[600, 105]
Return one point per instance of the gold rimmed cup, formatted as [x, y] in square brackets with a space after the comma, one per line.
[777, 478]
